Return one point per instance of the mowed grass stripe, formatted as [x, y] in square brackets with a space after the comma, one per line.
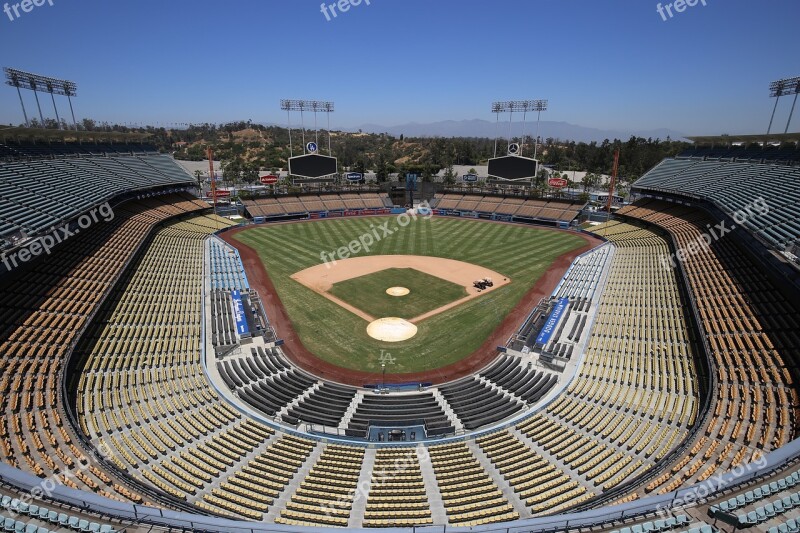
[299, 256]
[555, 246]
[338, 336]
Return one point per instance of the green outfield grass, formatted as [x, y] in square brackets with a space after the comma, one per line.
[338, 336]
[368, 293]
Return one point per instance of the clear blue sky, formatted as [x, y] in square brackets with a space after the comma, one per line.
[611, 64]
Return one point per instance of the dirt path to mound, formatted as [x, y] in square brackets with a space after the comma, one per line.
[320, 278]
[299, 354]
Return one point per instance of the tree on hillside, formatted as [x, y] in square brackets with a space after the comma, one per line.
[589, 181]
[231, 171]
[249, 174]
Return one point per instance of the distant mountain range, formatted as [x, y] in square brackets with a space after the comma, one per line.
[486, 129]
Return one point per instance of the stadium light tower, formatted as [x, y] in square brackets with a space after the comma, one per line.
[35, 82]
[516, 106]
[780, 88]
[538, 106]
[315, 106]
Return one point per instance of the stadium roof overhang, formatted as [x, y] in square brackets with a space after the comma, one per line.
[748, 139]
[70, 135]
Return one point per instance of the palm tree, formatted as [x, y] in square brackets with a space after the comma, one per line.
[198, 175]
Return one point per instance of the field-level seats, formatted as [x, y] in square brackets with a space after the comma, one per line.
[506, 388]
[227, 270]
[402, 409]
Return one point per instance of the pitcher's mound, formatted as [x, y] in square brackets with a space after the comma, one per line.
[391, 329]
[397, 291]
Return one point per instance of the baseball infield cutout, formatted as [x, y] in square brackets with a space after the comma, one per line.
[320, 278]
[391, 329]
[397, 291]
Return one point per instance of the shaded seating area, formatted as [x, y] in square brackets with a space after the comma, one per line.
[38, 194]
[734, 186]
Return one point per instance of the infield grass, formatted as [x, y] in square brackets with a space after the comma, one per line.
[340, 337]
[368, 293]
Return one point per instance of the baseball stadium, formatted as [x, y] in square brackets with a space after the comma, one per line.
[166, 367]
[413, 355]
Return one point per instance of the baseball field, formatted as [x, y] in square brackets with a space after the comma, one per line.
[330, 312]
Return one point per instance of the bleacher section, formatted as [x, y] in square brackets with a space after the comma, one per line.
[282, 206]
[734, 187]
[751, 330]
[519, 208]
